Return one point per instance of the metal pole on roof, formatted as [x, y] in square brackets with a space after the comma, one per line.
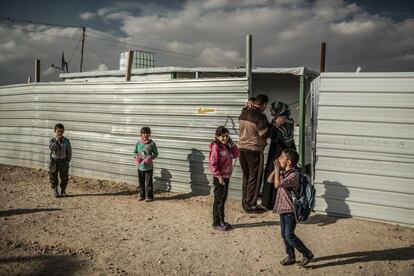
[249, 63]
[37, 71]
[302, 121]
[323, 51]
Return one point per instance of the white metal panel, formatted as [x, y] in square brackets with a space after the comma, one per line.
[103, 120]
[365, 146]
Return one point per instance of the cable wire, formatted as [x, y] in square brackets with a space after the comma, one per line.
[100, 37]
[96, 53]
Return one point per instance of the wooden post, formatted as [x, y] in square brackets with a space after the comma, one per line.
[249, 64]
[129, 65]
[323, 51]
[37, 71]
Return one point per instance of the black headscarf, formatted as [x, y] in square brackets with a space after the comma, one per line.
[285, 131]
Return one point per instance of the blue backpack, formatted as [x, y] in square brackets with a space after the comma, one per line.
[305, 202]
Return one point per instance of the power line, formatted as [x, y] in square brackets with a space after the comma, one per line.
[74, 52]
[10, 19]
[96, 53]
[99, 37]
[162, 50]
[39, 31]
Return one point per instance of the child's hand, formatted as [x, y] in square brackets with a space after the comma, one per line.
[277, 164]
[221, 180]
[138, 159]
[147, 160]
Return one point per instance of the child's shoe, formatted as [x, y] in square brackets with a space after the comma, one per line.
[141, 198]
[287, 261]
[228, 225]
[55, 192]
[306, 259]
[149, 200]
[220, 227]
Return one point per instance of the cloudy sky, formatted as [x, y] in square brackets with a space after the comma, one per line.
[377, 35]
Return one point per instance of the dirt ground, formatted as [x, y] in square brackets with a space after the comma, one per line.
[101, 229]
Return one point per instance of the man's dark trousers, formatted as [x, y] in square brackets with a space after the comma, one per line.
[251, 163]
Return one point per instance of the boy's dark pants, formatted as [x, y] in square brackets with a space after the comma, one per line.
[145, 184]
[220, 197]
[251, 163]
[59, 168]
[287, 227]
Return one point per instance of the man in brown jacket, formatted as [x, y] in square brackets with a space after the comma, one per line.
[254, 131]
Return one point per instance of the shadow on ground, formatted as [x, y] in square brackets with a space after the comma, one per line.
[13, 212]
[394, 254]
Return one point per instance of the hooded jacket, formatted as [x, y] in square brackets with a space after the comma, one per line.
[221, 158]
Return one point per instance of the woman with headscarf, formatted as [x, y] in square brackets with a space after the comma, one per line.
[281, 138]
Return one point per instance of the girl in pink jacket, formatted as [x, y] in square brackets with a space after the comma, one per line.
[222, 152]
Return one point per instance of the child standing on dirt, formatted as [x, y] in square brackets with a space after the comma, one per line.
[287, 178]
[60, 156]
[222, 153]
[145, 151]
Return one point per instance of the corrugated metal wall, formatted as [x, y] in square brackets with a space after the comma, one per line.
[365, 146]
[103, 120]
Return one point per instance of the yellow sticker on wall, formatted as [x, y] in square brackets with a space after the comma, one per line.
[202, 110]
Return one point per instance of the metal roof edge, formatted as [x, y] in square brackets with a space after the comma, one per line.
[367, 74]
[173, 69]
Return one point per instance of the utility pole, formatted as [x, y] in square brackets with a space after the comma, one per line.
[249, 63]
[83, 44]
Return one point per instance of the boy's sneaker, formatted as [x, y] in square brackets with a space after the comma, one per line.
[141, 198]
[149, 200]
[305, 260]
[63, 193]
[287, 261]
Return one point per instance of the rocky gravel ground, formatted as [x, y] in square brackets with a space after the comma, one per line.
[101, 229]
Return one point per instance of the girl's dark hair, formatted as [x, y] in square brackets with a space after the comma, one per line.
[145, 130]
[221, 130]
[59, 126]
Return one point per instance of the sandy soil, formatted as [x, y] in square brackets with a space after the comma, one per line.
[101, 229]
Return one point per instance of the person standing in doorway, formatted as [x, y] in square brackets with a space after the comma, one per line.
[254, 130]
[281, 138]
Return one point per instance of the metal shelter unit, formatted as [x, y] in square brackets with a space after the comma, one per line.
[102, 115]
[365, 146]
